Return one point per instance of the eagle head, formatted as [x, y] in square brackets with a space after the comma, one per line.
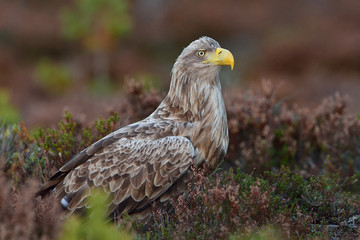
[203, 55]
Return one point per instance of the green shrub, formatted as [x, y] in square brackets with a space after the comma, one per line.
[52, 77]
[38, 153]
[98, 23]
[94, 225]
[7, 111]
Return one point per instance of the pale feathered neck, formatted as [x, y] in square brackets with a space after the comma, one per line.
[191, 90]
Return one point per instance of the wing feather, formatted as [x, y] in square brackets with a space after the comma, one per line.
[138, 180]
[134, 172]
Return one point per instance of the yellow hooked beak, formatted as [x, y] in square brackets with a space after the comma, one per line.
[220, 57]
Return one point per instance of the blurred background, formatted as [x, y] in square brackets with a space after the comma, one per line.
[76, 54]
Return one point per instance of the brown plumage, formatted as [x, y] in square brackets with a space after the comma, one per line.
[149, 160]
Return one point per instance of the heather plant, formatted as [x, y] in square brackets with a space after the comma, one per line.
[40, 152]
[18, 152]
[143, 101]
[238, 204]
[266, 133]
[297, 173]
[265, 233]
[24, 217]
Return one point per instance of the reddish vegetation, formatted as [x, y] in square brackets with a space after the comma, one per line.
[312, 152]
[266, 134]
[23, 217]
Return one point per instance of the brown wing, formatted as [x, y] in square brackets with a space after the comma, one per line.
[144, 130]
[75, 161]
[134, 172]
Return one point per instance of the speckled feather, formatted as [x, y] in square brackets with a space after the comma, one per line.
[149, 160]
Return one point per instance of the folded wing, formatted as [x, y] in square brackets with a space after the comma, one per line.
[133, 172]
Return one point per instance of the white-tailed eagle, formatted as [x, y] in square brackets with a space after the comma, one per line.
[150, 160]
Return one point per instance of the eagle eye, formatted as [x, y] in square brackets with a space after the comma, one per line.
[201, 53]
